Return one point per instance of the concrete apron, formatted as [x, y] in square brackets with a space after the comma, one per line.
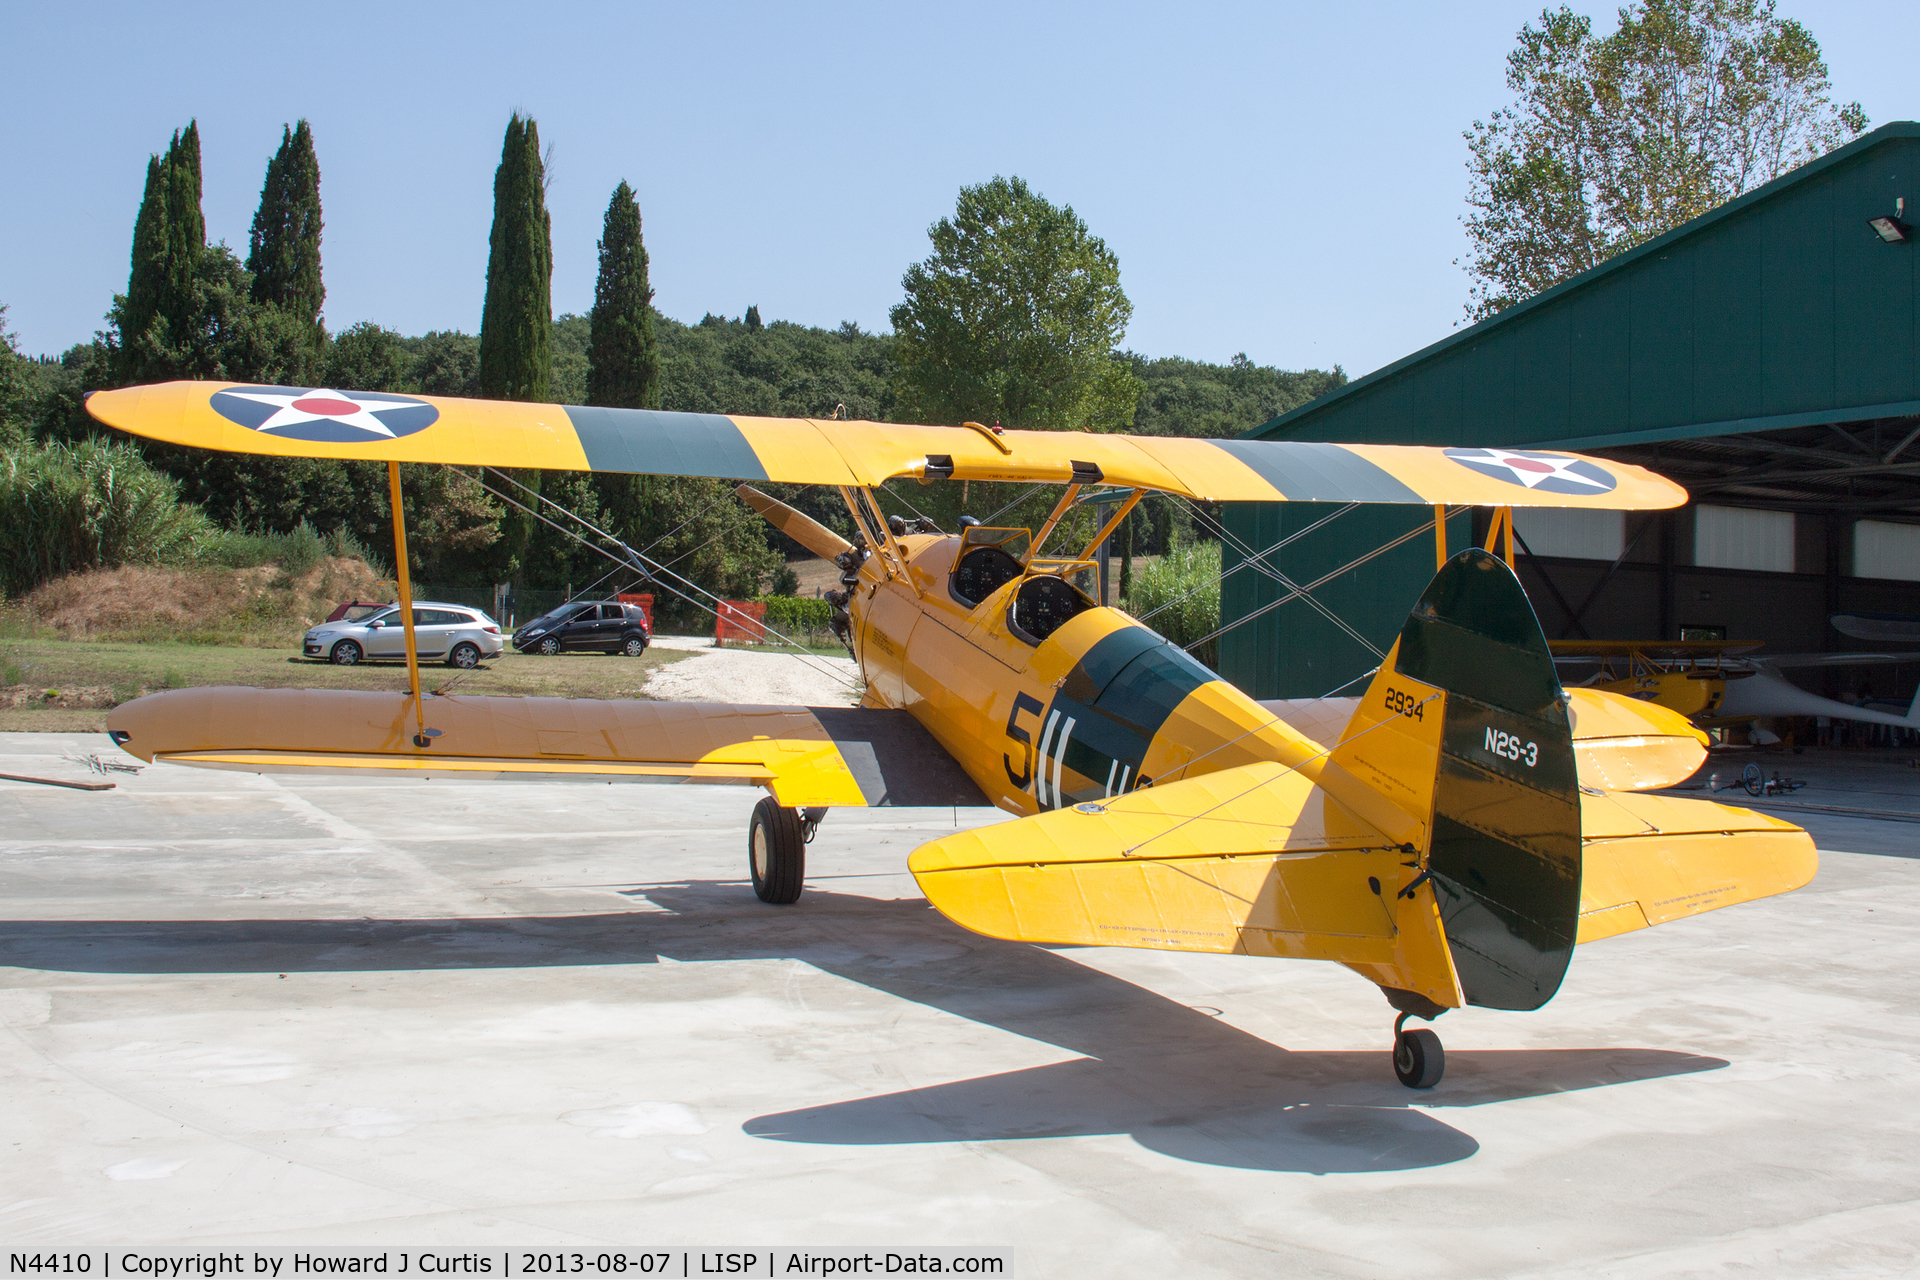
[243, 1010]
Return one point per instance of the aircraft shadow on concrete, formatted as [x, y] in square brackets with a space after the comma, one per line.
[1175, 1079]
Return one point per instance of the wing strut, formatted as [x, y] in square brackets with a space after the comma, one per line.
[420, 738]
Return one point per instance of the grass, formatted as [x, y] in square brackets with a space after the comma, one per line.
[130, 669]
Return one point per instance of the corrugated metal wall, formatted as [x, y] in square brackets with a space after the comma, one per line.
[1780, 309]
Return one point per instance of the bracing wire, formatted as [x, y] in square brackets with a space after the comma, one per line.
[1251, 561]
[651, 568]
[1297, 591]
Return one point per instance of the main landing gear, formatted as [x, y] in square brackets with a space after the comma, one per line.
[777, 841]
[1418, 1059]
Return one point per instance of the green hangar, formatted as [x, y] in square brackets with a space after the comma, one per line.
[1766, 355]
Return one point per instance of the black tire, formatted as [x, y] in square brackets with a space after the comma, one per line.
[634, 645]
[345, 654]
[776, 852]
[1418, 1059]
[466, 654]
[548, 647]
[1753, 780]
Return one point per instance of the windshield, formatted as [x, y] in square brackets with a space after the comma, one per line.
[559, 615]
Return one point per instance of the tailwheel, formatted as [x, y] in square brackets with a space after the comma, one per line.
[777, 851]
[1418, 1059]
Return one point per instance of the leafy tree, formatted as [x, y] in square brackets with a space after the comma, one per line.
[1193, 398]
[623, 356]
[446, 362]
[1611, 142]
[516, 323]
[1014, 318]
[753, 320]
[284, 248]
[369, 358]
[15, 384]
[214, 332]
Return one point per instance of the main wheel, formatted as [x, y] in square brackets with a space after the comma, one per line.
[634, 646]
[465, 654]
[345, 654]
[776, 852]
[1418, 1059]
[1753, 780]
[548, 647]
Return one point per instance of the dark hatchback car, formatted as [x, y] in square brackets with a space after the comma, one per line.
[586, 626]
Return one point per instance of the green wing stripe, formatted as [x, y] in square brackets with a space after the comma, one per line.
[1318, 472]
[655, 442]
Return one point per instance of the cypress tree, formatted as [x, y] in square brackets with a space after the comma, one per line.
[146, 281]
[516, 322]
[284, 248]
[623, 358]
[186, 228]
[158, 313]
[753, 319]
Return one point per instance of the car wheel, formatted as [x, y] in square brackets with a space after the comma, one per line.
[346, 654]
[465, 654]
[548, 647]
[635, 646]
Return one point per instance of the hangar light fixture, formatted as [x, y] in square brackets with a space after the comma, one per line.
[1892, 230]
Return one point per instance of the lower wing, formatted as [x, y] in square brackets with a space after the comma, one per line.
[804, 756]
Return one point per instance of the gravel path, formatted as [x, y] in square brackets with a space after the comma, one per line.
[741, 675]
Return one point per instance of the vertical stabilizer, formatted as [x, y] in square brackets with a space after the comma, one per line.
[1505, 844]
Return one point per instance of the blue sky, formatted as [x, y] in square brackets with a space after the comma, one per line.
[1280, 179]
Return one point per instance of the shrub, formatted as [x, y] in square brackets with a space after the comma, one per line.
[1178, 595]
[789, 614]
[86, 505]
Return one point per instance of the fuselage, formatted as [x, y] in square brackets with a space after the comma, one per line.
[1045, 698]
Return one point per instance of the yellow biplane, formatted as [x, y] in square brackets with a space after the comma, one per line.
[1450, 835]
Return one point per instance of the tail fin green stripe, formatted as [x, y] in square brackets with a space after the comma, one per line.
[1506, 812]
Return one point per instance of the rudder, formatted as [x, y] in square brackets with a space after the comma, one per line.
[1505, 850]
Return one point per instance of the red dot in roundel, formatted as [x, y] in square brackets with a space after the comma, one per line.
[1518, 464]
[326, 407]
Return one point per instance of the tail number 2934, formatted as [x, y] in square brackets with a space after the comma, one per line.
[1507, 747]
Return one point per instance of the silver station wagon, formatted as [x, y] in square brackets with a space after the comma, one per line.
[461, 636]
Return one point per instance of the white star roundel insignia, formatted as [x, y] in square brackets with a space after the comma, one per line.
[1545, 472]
[322, 414]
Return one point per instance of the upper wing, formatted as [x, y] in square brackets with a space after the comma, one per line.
[804, 756]
[388, 428]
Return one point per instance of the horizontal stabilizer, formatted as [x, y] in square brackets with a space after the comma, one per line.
[1619, 743]
[1649, 860]
[1252, 860]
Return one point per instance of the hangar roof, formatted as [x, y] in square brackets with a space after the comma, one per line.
[1780, 312]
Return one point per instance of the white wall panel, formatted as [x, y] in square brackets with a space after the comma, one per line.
[1882, 549]
[1575, 534]
[1739, 538]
